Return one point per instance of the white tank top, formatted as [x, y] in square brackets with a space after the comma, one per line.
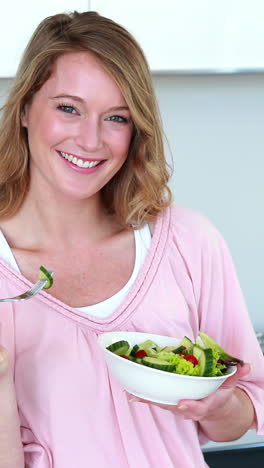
[105, 308]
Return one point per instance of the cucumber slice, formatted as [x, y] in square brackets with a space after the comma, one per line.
[210, 343]
[135, 359]
[170, 349]
[152, 352]
[205, 360]
[178, 350]
[45, 274]
[158, 364]
[187, 343]
[134, 350]
[150, 347]
[199, 342]
[119, 347]
[148, 344]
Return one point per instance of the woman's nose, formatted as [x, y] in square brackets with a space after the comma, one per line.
[89, 135]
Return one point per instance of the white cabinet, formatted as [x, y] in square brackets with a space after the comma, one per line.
[18, 20]
[176, 35]
[193, 35]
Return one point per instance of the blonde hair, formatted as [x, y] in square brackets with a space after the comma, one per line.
[139, 191]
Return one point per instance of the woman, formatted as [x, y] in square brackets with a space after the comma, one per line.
[83, 181]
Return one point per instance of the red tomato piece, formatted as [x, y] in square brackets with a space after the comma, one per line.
[141, 353]
[191, 358]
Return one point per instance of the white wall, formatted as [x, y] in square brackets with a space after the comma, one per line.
[4, 85]
[214, 125]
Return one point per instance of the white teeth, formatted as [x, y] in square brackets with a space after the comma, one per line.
[79, 162]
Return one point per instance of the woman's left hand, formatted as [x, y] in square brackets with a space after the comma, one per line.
[209, 407]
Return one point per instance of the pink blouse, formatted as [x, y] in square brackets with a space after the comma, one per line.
[73, 413]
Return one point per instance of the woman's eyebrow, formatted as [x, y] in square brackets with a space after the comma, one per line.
[77, 98]
[118, 108]
[69, 96]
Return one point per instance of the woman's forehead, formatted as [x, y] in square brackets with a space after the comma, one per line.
[81, 74]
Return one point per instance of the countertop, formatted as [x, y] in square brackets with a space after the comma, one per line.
[248, 439]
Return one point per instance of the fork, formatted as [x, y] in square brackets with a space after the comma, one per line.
[29, 293]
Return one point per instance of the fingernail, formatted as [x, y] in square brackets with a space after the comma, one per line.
[182, 407]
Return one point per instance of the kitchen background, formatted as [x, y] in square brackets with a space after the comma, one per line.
[208, 70]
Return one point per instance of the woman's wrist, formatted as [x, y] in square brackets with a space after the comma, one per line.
[231, 406]
[230, 421]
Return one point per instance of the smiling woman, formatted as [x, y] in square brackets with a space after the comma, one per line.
[83, 190]
[79, 135]
[133, 197]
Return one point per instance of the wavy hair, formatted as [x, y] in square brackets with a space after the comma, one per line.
[139, 191]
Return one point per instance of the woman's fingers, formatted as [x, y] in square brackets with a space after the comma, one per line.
[200, 409]
[242, 371]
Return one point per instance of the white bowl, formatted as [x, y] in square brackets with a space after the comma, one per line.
[152, 384]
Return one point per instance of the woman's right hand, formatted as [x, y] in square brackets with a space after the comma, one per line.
[11, 450]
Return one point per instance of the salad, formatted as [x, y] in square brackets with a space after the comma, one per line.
[204, 358]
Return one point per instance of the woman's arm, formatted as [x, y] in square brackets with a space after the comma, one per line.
[232, 420]
[11, 450]
[224, 415]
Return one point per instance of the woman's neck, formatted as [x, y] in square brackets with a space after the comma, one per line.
[61, 222]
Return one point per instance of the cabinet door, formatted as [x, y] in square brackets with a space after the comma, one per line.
[18, 20]
[193, 35]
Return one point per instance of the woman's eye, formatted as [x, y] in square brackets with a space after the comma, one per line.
[67, 109]
[117, 118]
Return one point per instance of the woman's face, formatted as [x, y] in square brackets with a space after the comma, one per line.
[79, 128]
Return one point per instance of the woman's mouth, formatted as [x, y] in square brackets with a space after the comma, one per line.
[78, 161]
